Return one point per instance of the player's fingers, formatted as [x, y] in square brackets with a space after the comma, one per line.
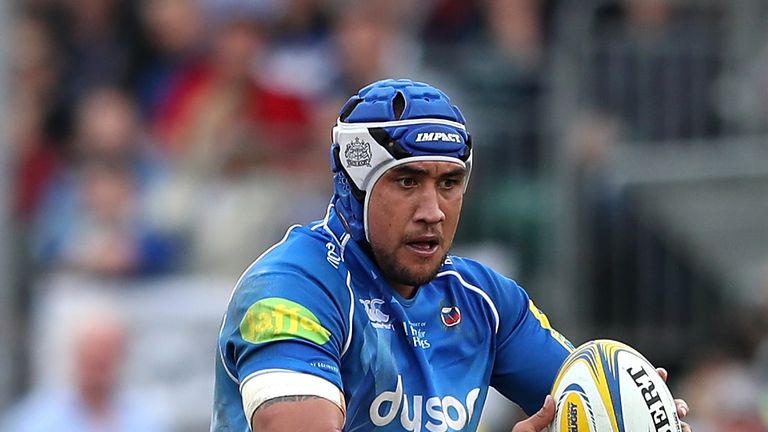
[662, 373]
[539, 421]
[685, 426]
[682, 408]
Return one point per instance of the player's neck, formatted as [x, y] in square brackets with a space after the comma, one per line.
[405, 291]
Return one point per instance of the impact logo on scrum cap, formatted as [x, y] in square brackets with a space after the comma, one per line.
[358, 153]
[438, 136]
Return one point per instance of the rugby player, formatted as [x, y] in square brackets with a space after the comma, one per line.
[364, 320]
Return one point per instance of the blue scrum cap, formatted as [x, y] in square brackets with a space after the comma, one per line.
[386, 124]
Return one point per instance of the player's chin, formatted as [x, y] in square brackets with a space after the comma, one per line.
[421, 273]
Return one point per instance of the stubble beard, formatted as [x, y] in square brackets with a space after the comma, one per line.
[397, 273]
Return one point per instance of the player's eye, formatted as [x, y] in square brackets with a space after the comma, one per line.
[449, 183]
[406, 182]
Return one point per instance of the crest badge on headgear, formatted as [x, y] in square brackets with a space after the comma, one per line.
[386, 124]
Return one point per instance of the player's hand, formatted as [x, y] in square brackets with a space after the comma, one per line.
[681, 405]
[539, 421]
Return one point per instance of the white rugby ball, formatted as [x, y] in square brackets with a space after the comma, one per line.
[606, 386]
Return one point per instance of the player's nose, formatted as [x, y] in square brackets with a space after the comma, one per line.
[428, 207]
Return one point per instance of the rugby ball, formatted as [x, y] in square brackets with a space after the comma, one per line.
[606, 386]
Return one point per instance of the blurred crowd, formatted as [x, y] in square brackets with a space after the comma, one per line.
[147, 133]
[159, 140]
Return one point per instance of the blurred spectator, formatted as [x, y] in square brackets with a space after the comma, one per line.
[176, 34]
[518, 29]
[724, 397]
[95, 43]
[94, 218]
[500, 72]
[650, 80]
[94, 400]
[370, 40]
[371, 45]
[760, 359]
[39, 6]
[497, 67]
[108, 127]
[743, 91]
[104, 235]
[35, 73]
[628, 264]
[298, 58]
[241, 152]
[655, 68]
[217, 116]
[452, 22]
[230, 219]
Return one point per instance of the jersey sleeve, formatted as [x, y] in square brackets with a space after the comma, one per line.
[529, 351]
[285, 321]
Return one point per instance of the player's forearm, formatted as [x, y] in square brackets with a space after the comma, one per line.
[297, 414]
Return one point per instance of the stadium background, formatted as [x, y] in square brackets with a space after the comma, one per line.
[154, 147]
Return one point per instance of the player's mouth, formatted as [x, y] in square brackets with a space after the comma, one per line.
[424, 246]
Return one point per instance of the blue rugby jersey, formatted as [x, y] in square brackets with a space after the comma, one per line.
[315, 303]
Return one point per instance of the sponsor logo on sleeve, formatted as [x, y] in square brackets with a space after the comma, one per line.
[274, 318]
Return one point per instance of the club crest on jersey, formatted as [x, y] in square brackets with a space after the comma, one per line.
[450, 316]
[358, 153]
